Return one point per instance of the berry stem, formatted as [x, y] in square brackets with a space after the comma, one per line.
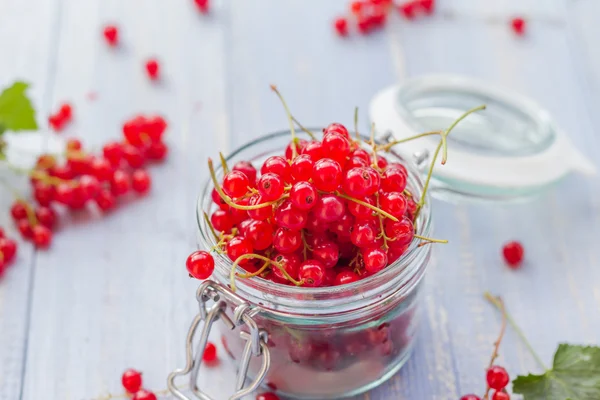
[372, 207]
[388, 146]
[223, 163]
[383, 235]
[289, 115]
[356, 124]
[305, 246]
[431, 240]
[263, 258]
[500, 306]
[41, 175]
[228, 200]
[445, 134]
[207, 219]
[308, 132]
[374, 148]
[253, 274]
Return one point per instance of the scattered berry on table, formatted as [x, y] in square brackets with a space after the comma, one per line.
[111, 35]
[144, 394]
[518, 25]
[497, 378]
[203, 5]
[210, 353]
[470, 397]
[200, 264]
[513, 254]
[152, 69]
[131, 380]
[341, 26]
[59, 120]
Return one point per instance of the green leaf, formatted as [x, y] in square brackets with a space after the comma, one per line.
[575, 375]
[16, 111]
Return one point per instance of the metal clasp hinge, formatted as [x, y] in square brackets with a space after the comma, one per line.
[256, 340]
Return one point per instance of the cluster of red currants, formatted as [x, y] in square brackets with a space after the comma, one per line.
[8, 250]
[327, 212]
[371, 15]
[61, 118]
[497, 380]
[85, 178]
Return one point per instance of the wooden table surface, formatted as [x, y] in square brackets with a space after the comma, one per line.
[112, 293]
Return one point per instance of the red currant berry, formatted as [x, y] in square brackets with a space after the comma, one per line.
[408, 10]
[500, 396]
[260, 234]
[218, 200]
[400, 233]
[90, 186]
[237, 247]
[19, 210]
[364, 234]
[73, 145]
[221, 221]
[354, 162]
[375, 260]
[113, 152]
[364, 25]
[290, 263]
[311, 273]
[235, 184]
[287, 216]
[8, 248]
[131, 380]
[329, 208]
[315, 224]
[518, 25]
[359, 210]
[152, 69]
[133, 129]
[378, 16]
[134, 156]
[210, 353]
[301, 168]
[120, 183]
[470, 397]
[65, 112]
[203, 5]
[270, 186]
[362, 154]
[341, 26]
[101, 168]
[278, 166]
[42, 236]
[513, 254]
[62, 171]
[427, 6]
[393, 203]
[156, 151]
[336, 128]
[343, 226]
[140, 181]
[300, 144]
[395, 252]
[345, 277]
[314, 150]
[497, 378]
[105, 200]
[356, 181]
[393, 180]
[155, 127]
[78, 198]
[25, 228]
[267, 396]
[262, 213]
[144, 394]
[248, 169]
[286, 241]
[327, 253]
[64, 193]
[357, 6]
[200, 264]
[327, 175]
[336, 146]
[111, 34]
[303, 195]
[45, 161]
[46, 216]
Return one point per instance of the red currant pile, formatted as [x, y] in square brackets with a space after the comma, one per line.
[61, 118]
[8, 250]
[371, 15]
[85, 178]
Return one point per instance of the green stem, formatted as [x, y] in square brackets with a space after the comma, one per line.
[445, 135]
[388, 146]
[421, 202]
[362, 203]
[289, 115]
[432, 240]
[207, 219]
[496, 303]
[308, 132]
[223, 163]
[263, 258]
[253, 274]
[356, 124]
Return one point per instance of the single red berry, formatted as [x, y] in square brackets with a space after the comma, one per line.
[382, 162]
[311, 273]
[8, 248]
[46, 216]
[78, 198]
[134, 156]
[221, 221]
[19, 210]
[499, 395]
[237, 247]
[364, 25]
[513, 254]
[341, 26]
[25, 228]
[133, 129]
[304, 195]
[141, 181]
[120, 182]
[248, 169]
[359, 210]
[203, 5]
[64, 193]
[278, 166]
[327, 175]
[267, 396]
[235, 184]
[105, 200]
[354, 162]
[364, 234]
[301, 168]
[343, 226]
[336, 127]
[329, 208]
[62, 171]
[65, 112]
[427, 6]
[218, 200]
[111, 34]
[144, 394]
[314, 150]
[497, 378]
[45, 161]
[260, 234]
[210, 353]
[375, 259]
[42, 236]
[286, 241]
[327, 253]
[290, 263]
[157, 151]
[287, 216]
[113, 152]
[518, 25]
[393, 203]
[101, 168]
[73, 144]
[90, 185]
[378, 16]
[131, 380]
[262, 213]
[270, 186]
[356, 181]
[200, 264]
[315, 224]
[152, 68]
[393, 180]
[400, 232]
[155, 127]
[299, 144]
[470, 397]
[395, 252]
[408, 10]
[345, 277]
[336, 146]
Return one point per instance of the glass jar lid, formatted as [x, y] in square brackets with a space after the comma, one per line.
[511, 151]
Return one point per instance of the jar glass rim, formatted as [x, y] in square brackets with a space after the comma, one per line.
[315, 299]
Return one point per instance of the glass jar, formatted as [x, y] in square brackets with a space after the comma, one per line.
[323, 343]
